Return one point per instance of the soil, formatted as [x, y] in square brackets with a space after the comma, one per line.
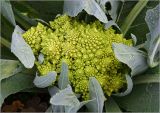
[26, 102]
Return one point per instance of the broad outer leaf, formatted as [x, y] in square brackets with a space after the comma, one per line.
[45, 80]
[112, 106]
[65, 97]
[129, 87]
[134, 58]
[9, 68]
[21, 49]
[7, 12]
[95, 92]
[153, 38]
[143, 98]
[63, 78]
[15, 84]
[73, 7]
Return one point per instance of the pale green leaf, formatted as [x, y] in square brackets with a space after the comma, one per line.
[58, 108]
[153, 38]
[40, 58]
[7, 12]
[76, 107]
[134, 58]
[112, 106]
[14, 84]
[63, 80]
[111, 23]
[55, 108]
[21, 49]
[9, 68]
[45, 80]
[95, 92]
[134, 38]
[65, 97]
[73, 7]
[114, 7]
[53, 90]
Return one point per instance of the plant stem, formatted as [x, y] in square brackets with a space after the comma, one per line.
[5, 42]
[132, 15]
[146, 79]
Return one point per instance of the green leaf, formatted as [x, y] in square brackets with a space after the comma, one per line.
[21, 49]
[72, 8]
[45, 80]
[132, 15]
[143, 98]
[134, 58]
[153, 38]
[111, 106]
[14, 84]
[9, 68]
[129, 87]
[138, 26]
[95, 92]
[7, 12]
[64, 97]
[63, 80]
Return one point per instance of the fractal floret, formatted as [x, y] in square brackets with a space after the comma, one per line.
[86, 48]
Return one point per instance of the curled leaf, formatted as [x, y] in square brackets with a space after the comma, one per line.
[63, 78]
[73, 7]
[45, 80]
[134, 58]
[21, 49]
[95, 92]
[64, 97]
[134, 38]
[153, 38]
[111, 23]
[40, 58]
[76, 107]
[113, 4]
[129, 87]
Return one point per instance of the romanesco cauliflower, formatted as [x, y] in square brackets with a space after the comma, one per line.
[86, 48]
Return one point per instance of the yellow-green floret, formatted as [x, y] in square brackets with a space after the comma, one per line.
[86, 48]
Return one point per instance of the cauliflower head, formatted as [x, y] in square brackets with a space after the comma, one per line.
[86, 48]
